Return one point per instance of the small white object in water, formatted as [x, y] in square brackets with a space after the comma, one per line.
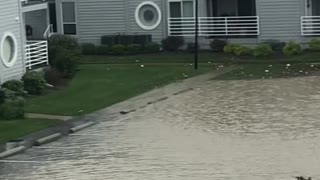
[137, 60]
[185, 75]
[288, 65]
[266, 71]
[80, 111]
[209, 62]
[270, 65]
[301, 71]
[142, 65]
[190, 64]
[312, 65]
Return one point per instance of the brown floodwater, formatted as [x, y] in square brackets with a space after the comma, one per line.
[230, 130]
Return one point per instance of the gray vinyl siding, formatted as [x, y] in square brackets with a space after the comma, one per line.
[10, 20]
[280, 19]
[38, 21]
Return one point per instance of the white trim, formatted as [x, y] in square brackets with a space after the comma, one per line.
[138, 21]
[35, 7]
[69, 23]
[15, 50]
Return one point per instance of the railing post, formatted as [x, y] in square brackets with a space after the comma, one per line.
[226, 25]
[29, 57]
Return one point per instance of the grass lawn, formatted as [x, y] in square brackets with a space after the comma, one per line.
[267, 71]
[204, 57]
[98, 86]
[10, 130]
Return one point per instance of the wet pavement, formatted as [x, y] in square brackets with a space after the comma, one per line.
[230, 130]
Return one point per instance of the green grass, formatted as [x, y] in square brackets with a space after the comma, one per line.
[98, 86]
[13, 129]
[267, 71]
[204, 57]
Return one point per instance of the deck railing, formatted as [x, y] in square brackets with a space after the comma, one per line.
[310, 25]
[36, 53]
[215, 26]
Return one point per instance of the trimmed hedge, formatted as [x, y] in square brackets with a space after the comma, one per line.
[218, 45]
[118, 49]
[134, 49]
[314, 45]
[103, 50]
[292, 48]
[34, 83]
[172, 43]
[88, 49]
[263, 50]
[152, 47]
[111, 40]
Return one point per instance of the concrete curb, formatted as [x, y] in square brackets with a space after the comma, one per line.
[82, 126]
[12, 152]
[48, 139]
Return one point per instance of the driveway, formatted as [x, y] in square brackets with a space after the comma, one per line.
[230, 130]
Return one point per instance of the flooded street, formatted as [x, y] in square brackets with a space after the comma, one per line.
[230, 130]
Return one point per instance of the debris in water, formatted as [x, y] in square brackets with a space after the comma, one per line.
[267, 71]
[312, 65]
[137, 60]
[270, 65]
[142, 65]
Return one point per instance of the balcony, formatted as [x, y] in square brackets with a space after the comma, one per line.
[231, 26]
[310, 25]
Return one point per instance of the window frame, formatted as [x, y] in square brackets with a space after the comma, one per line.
[69, 23]
[14, 58]
[137, 17]
[181, 7]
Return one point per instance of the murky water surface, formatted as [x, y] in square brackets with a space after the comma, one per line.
[230, 130]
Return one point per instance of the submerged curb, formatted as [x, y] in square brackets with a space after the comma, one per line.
[80, 127]
[48, 139]
[12, 152]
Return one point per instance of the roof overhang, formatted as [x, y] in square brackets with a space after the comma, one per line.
[35, 7]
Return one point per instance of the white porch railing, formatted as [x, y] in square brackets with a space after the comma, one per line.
[36, 53]
[48, 32]
[215, 26]
[310, 25]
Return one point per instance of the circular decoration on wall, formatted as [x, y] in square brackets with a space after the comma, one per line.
[148, 15]
[8, 49]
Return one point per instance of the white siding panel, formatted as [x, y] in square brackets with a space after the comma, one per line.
[10, 22]
[280, 19]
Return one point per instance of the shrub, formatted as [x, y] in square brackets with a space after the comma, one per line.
[230, 48]
[33, 83]
[108, 40]
[57, 42]
[276, 45]
[52, 77]
[292, 48]
[12, 108]
[134, 49]
[143, 40]
[13, 85]
[191, 47]
[152, 47]
[242, 51]
[88, 49]
[118, 49]
[217, 45]
[102, 50]
[263, 50]
[2, 96]
[314, 45]
[66, 62]
[172, 43]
